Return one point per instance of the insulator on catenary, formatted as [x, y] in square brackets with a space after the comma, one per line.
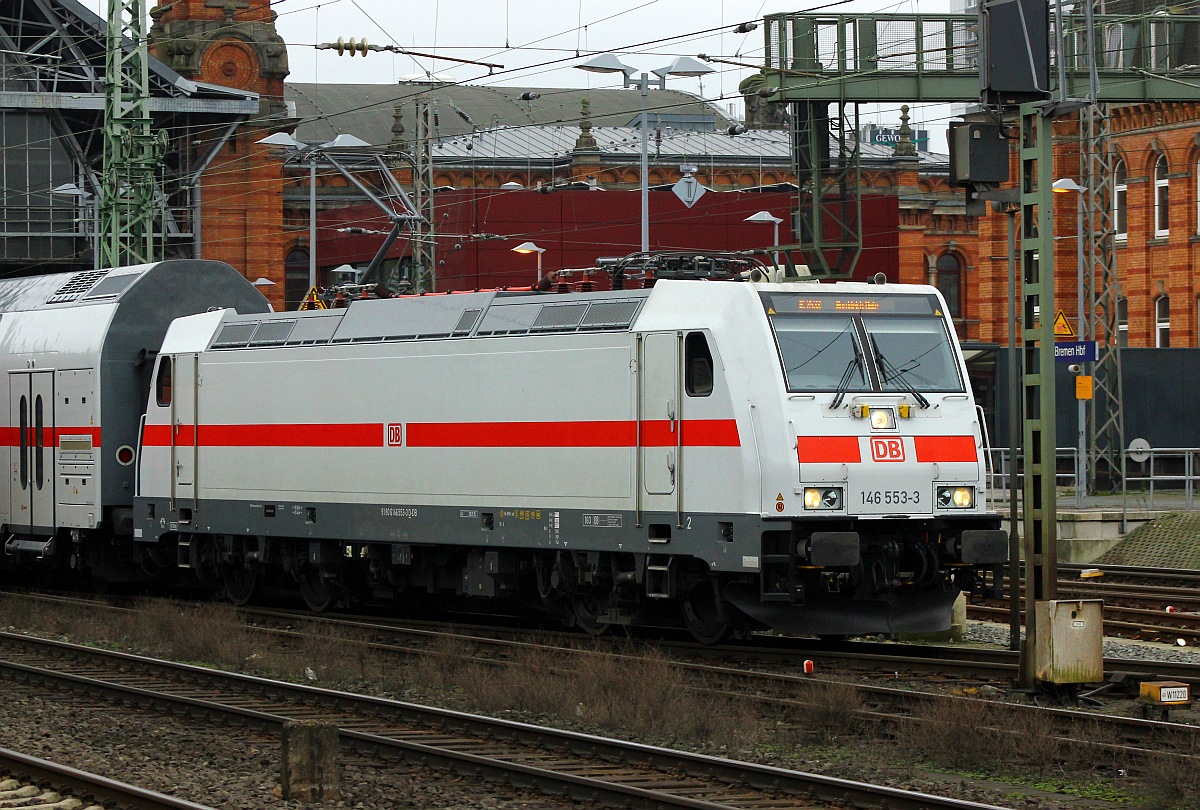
[353, 46]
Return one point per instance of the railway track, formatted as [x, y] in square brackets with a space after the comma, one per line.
[766, 673]
[586, 767]
[1160, 604]
[27, 781]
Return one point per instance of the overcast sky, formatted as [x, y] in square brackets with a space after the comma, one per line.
[540, 41]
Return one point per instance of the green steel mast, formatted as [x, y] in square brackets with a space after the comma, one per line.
[133, 151]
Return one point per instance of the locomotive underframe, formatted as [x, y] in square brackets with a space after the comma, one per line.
[827, 577]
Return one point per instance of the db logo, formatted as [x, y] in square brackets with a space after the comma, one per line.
[887, 449]
[395, 435]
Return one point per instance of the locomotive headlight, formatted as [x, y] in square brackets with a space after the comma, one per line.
[955, 497]
[883, 419]
[822, 497]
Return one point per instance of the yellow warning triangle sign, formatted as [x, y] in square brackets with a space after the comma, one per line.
[312, 301]
[1062, 327]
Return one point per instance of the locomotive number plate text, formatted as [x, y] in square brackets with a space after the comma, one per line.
[889, 497]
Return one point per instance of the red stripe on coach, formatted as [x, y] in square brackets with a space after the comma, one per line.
[828, 449]
[11, 436]
[945, 448]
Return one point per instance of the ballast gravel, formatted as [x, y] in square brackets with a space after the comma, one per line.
[238, 769]
[221, 767]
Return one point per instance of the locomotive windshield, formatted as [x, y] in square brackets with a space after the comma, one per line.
[863, 343]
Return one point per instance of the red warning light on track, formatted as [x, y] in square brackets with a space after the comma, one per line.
[809, 666]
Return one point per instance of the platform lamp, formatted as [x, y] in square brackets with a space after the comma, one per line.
[261, 283]
[530, 247]
[311, 153]
[767, 216]
[1064, 186]
[683, 66]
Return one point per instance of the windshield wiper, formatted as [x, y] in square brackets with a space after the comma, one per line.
[892, 373]
[844, 383]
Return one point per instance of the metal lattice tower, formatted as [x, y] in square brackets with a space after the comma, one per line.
[829, 206]
[133, 151]
[1102, 293]
[423, 230]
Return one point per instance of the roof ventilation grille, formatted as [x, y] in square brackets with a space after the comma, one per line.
[76, 286]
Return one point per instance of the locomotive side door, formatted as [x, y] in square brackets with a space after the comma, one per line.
[659, 418]
[184, 426]
[31, 402]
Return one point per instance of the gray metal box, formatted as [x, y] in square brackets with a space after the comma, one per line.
[1014, 50]
[1070, 639]
[978, 153]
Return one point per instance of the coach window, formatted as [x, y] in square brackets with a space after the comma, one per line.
[162, 384]
[698, 365]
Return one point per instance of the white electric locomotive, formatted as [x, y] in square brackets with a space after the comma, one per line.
[723, 455]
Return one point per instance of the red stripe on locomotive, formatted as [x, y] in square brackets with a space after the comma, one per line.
[655, 433]
[945, 449]
[828, 450]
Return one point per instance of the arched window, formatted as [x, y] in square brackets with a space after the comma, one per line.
[1197, 176]
[1162, 198]
[295, 279]
[1120, 213]
[1123, 322]
[1162, 322]
[949, 282]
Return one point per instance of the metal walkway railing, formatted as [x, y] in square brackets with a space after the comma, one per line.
[1164, 470]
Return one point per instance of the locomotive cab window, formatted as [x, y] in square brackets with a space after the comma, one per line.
[858, 343]
[698, 365]
[162, 383]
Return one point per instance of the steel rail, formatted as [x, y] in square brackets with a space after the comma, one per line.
[89, 786]
[702, 774]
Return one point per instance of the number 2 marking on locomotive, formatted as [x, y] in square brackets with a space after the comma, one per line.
[689, 522]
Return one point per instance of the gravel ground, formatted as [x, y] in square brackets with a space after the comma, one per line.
[997, 635]
[239, 769]
[228, 768]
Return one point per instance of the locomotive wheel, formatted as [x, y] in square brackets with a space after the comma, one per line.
[315, 588]
[705, 613]
[241, 583]
[588, 609]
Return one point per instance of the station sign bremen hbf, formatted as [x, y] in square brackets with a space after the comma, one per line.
[1075, 351]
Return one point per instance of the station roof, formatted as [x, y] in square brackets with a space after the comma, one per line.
[367, 110]
[518, 144]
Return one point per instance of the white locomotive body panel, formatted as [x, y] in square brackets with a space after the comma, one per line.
[719, 455]
[654, 437]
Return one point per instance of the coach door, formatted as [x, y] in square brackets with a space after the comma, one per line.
[184, 433]
[659, 423]
[31, 403]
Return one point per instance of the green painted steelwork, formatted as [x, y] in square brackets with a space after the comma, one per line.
[934, 57]
[133, 150]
